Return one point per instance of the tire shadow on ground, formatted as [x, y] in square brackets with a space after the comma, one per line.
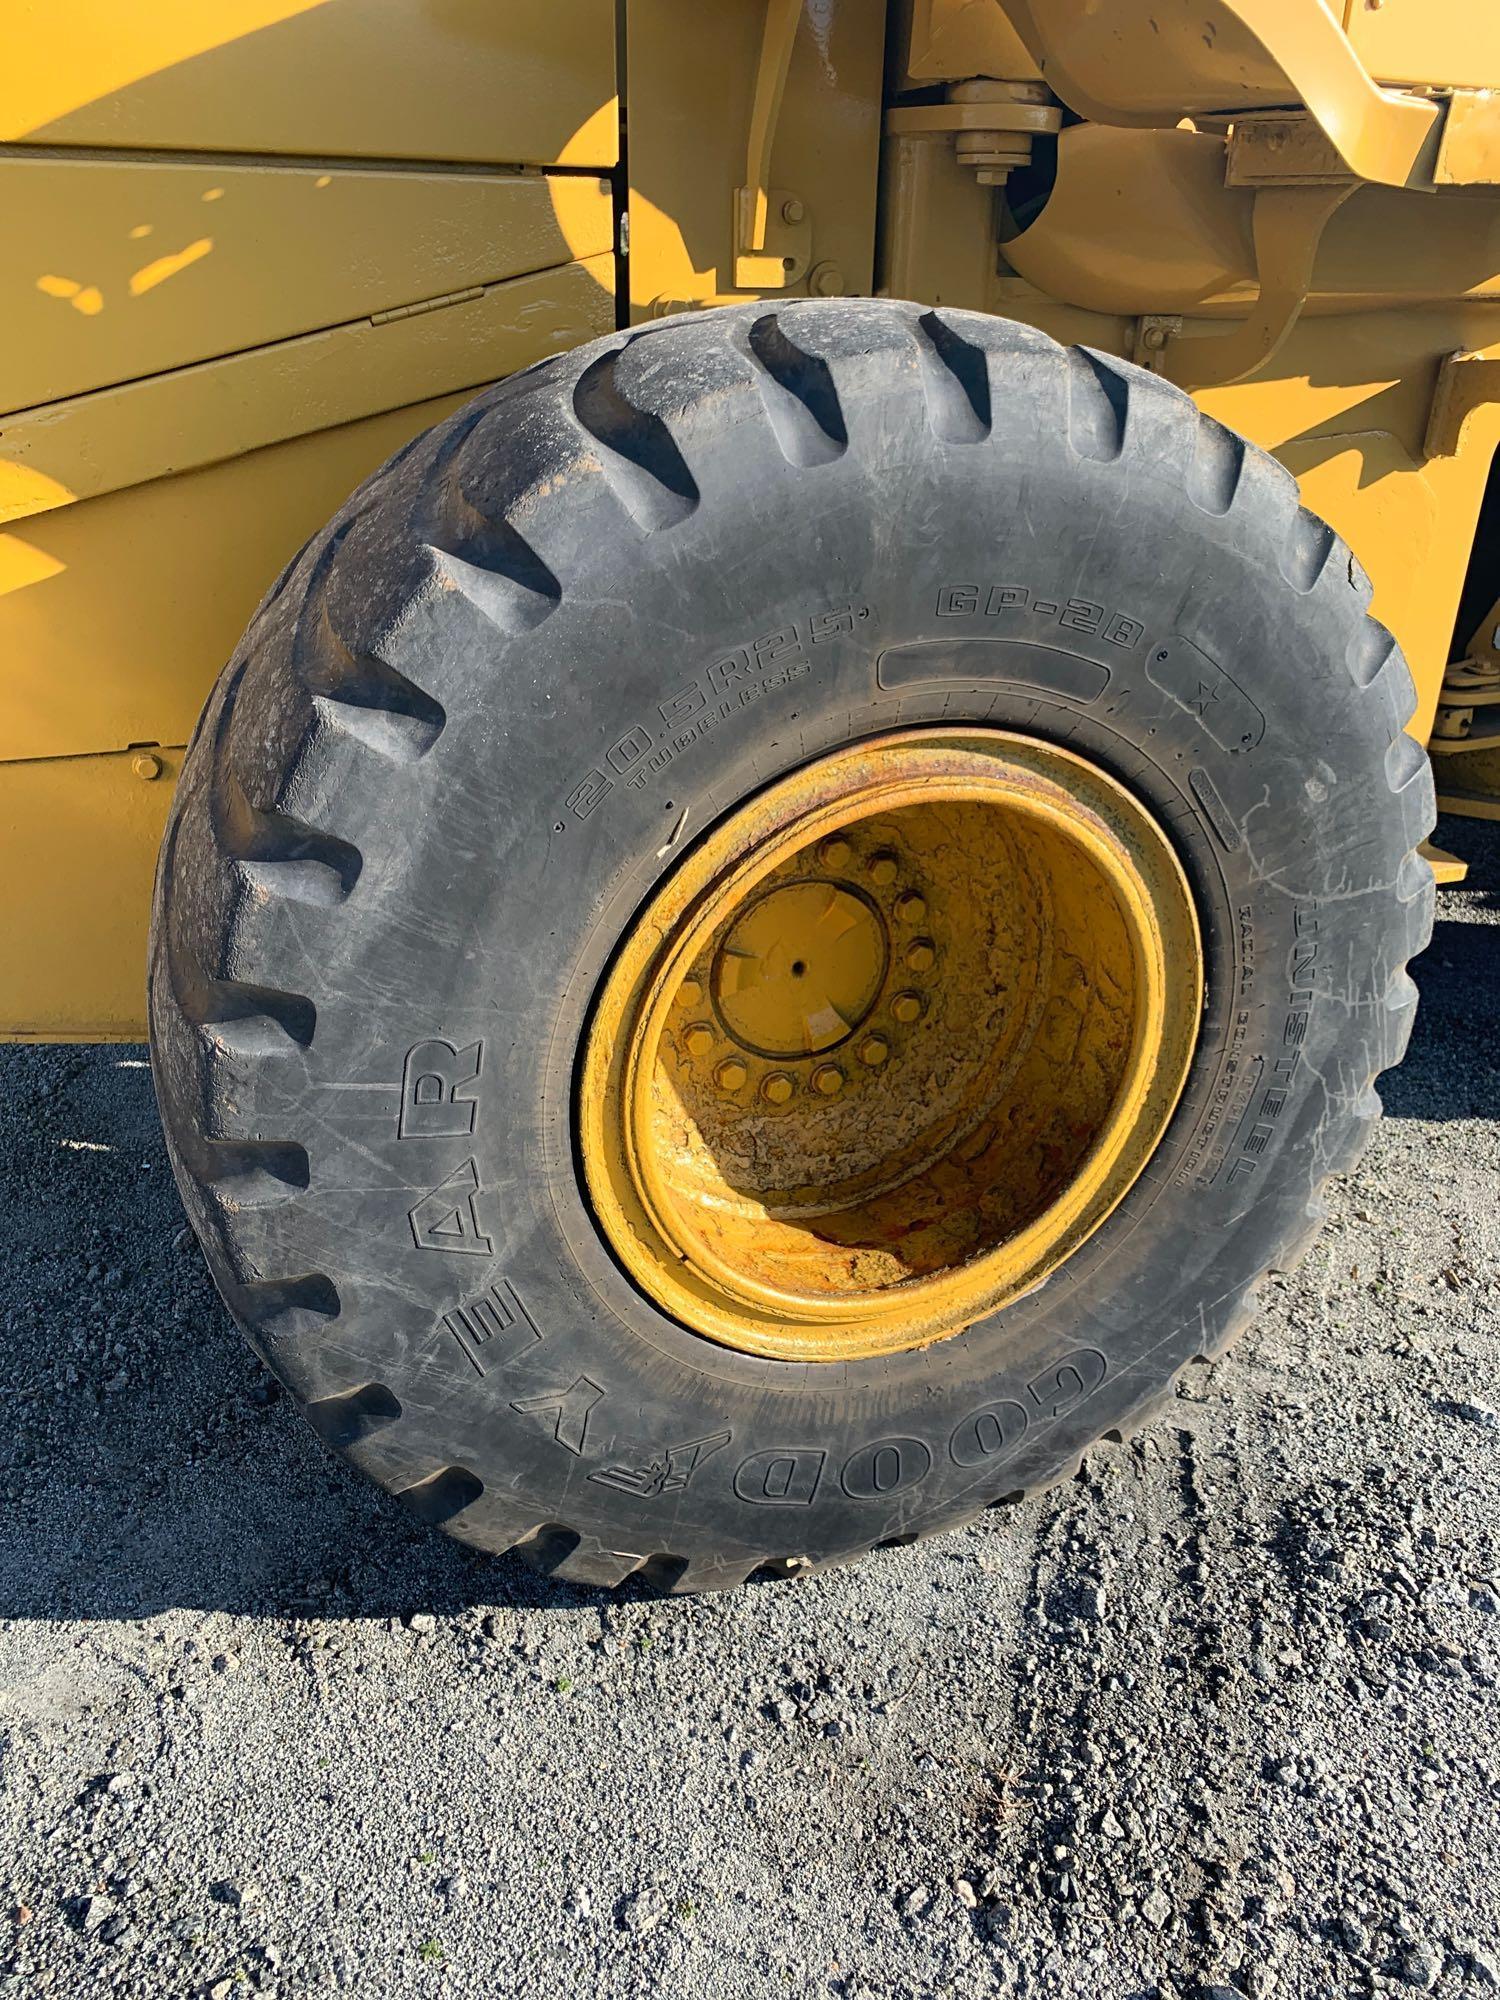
[148, 1460]
[1452, 1069]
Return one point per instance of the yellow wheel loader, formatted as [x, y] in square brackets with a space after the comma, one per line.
[829, 618]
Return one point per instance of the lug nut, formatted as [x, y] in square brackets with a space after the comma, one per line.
[873, 1050]
[835, 852]
[911, 908]
[777, 1088]
[884, 867]
[731, 1075]
[699, 1039]
[908, 1006]
[828, 1079]
[921, 955]
[689, 993]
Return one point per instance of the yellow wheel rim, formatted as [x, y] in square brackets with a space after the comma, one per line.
[889, 1045]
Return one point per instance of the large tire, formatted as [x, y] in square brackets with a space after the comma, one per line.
[385, 837]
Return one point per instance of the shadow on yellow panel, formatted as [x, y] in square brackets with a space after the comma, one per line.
[22, 564]
[509, 83]
[89, 52]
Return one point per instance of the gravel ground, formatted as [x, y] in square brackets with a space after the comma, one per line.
[1217, 1718]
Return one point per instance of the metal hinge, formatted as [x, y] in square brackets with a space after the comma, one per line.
[427, 305]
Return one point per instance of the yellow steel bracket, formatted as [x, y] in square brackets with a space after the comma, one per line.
[1379, 135]
[1468, 712]
[1465, 741]
[1287, 224]
[763, 261]
[1466, 383]
[993, 123]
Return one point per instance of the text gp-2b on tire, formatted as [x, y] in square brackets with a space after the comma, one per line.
[774, 926]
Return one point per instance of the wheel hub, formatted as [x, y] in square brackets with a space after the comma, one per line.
[889, 1044]
[800, 970]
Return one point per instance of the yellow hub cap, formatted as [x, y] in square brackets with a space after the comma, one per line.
[889, 1044]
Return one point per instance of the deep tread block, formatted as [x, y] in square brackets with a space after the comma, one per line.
[346, 1419]
[246, 1019]
[442, 1496]
[1306, 550]
[1098, 404]
[800, 397]
[1405, 763]
[248, 1173]
[285, 1309]
[384, 711]
[1218, 465]
[567, 1556]
[503, 577]
[281, 855]
[354, 691]
[638, 455]
[1370, 652]
[955, 382]
[358, 693]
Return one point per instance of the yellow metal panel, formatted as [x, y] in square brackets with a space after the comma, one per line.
[120, 611]
[692, 74]
[1470, 149]
[526, 81]
[113, 270]
[134, 602]
[78, 841]
[194, 416]
[190, 557]
[209, 352]
[1433, 42]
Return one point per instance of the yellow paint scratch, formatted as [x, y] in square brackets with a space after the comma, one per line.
[162, 268]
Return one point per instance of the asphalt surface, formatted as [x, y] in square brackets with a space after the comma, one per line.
[1220, 1717]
